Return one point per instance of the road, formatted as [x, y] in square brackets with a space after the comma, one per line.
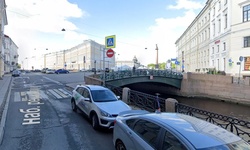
[40, 116]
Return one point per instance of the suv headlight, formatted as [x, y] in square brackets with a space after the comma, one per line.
[104, 113]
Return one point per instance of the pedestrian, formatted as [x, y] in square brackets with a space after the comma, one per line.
[157, 103]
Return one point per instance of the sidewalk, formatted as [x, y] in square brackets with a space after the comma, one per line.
[4, 88]
[4, 91]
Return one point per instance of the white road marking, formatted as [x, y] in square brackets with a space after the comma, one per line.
[53, 80]
[17, 97]
[60, 93]
[54, 94]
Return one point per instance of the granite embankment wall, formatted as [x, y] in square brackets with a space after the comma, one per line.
[217, 87]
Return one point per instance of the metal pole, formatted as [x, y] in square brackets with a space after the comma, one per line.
[104, 72]
[239, 74]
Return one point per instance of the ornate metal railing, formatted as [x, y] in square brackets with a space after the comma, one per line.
[146, 102]
[141, 100]
[238, 127]
[141, 72]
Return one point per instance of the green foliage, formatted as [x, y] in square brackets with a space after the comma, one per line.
[161, 66]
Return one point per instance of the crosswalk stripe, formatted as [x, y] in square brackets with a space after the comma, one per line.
[54, 94]
[60, 93]
[17, 97]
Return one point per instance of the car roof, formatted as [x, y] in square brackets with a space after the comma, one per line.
[93, 87]
[193, 129]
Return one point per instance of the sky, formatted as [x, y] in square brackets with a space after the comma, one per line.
[35, 25]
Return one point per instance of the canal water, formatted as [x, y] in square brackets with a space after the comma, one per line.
[239, 111]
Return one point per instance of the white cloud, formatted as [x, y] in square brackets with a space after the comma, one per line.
[31, 23]
[186, 4]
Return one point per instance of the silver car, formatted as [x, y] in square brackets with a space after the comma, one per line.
[141, 130]
[100, 104]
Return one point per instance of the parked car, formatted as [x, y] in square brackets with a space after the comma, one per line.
[50, 71]
[59, 71]
[16, 73]
[138, 129]
[99, 104]
[44, 70]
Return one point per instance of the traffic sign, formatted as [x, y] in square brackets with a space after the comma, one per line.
[110, 53]
[241, 58]
[110, 41]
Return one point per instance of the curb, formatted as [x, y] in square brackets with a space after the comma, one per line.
[4, 115]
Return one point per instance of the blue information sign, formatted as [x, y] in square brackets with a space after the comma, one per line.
[110, 41]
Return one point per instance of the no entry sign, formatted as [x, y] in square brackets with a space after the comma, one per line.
[110, 53]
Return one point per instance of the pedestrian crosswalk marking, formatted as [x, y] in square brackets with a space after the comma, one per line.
[17, 97]
[39, 94]
[54, 93]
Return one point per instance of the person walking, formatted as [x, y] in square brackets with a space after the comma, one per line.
[157, 103]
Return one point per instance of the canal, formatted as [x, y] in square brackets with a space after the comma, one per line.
[239, 111]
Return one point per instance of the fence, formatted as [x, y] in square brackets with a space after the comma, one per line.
[146, 102]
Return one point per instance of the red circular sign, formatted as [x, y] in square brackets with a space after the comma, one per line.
[110, 53]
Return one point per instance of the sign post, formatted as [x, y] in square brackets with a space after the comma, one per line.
[110, 42]
[240, 59]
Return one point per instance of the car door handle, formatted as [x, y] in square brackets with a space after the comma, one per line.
[129, 133]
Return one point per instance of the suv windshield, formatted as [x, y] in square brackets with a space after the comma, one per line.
[103, 96]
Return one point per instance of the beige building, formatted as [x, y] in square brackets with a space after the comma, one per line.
[3, 22]
[10, 55]
[216, 39]
[86, 55]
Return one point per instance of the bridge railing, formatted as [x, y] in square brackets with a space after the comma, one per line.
[146, 102]
[140, 72]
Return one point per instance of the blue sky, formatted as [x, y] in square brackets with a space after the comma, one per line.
[137, 24]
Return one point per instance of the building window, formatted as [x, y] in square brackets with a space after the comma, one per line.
[224, 61]
[247, 41]
[225, 2]
[218, 48]
[212, 50]
[213, 11]
[214, 29]
[246, 13]
[218, 61]
[225, 21]
[224, 46]
[219, 5]
[219, 25]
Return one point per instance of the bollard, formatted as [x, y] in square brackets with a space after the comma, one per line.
[125, 95]
[170, 104]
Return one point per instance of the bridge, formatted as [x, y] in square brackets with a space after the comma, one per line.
[122, 78]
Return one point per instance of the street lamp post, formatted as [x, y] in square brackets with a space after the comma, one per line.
[157, 65]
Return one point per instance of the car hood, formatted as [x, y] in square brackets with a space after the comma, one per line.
[113, 107]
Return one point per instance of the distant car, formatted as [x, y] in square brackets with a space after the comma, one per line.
[100, 104]
[139, 130]
[59, 71]
[16, 73]
[107, 70]
[50, 71]
[44, 70]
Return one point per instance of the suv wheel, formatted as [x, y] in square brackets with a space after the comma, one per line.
[95, 123]
[120, 146]
[73, 105]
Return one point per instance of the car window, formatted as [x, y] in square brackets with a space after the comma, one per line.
[147, 131]
[79, 90]
[103, 96]
[86, 93]
[170, 142]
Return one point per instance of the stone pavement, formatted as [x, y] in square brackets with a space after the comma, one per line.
[4, 89]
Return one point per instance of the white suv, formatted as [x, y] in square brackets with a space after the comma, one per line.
[100, 104]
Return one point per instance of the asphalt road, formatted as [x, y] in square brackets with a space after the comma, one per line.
[40, 117]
